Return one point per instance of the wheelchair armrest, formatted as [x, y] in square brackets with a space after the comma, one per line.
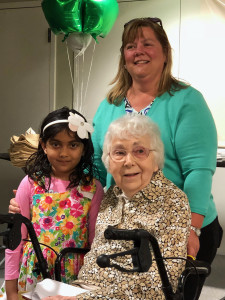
[201, 267]
[196, 268]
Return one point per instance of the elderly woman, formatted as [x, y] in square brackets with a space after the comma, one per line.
[142, 198]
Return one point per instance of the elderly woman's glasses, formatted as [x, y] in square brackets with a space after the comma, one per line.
[154, 20]
[138, 153]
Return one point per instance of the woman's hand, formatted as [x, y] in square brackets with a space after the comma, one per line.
[14, 206]
[193, 241]
[60, 298]
[193, 244]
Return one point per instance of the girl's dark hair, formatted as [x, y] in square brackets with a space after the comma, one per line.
[38, 166]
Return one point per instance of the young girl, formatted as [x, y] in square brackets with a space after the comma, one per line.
[60, 196]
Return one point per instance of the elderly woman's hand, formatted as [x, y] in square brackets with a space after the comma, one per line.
[60, 298]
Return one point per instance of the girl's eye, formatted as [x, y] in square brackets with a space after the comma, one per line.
[74, 145]
[55, 145]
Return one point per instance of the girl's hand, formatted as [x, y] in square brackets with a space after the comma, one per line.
[193, 244]
[59, 298]
[14, 206]
[13, 296]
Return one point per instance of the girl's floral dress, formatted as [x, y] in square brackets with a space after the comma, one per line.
[60, 220]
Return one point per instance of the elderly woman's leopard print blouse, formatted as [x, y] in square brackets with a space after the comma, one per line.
[163, 210]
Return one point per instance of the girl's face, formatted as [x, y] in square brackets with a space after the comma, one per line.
[64, 153]
[144, 56]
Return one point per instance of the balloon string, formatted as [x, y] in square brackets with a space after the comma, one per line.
[78, 80]
[71, 73]
[75, 75]
[82, 86]
[85, 94]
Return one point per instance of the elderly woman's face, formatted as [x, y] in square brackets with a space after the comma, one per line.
[131, 163]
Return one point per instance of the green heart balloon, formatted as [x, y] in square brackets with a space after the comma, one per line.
[95, 17]
[99, 16]
[63, 16]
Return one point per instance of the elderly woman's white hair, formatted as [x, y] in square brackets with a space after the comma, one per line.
[135, 125]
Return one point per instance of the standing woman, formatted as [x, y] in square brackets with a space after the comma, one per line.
[144, 84]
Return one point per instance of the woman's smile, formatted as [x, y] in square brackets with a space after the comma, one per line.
[141, 62]
[131, 175]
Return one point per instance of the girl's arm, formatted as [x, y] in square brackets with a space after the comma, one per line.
[12, 258]
[95, 205]
[12, 289]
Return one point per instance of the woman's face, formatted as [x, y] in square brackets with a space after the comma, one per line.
[144, 57]
[132, 174]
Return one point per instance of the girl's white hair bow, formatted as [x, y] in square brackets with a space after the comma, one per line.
[78, 124]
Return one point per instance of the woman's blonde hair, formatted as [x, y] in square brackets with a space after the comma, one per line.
[123, 81]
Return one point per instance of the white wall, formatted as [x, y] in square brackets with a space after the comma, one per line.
[25, 86]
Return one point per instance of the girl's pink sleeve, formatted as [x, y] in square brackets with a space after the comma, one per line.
[12, 258]
[95, 205]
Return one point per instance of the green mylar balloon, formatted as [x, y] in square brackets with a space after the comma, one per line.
[99, 16]
[63, 16]
[95, 17]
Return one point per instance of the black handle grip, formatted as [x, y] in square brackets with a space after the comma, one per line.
[112, 233]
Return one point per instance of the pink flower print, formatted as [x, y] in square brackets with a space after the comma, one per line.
[69, 225]
[39, 190]
[70, 243]
[65, 203]
[67, 228]
[46, 223]
[86, 188]
[29, 280]
[37, 228]
[76, 210]
[83, 223]
[58, 218]
[46, 203]
[48, 200]
[76, 195]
